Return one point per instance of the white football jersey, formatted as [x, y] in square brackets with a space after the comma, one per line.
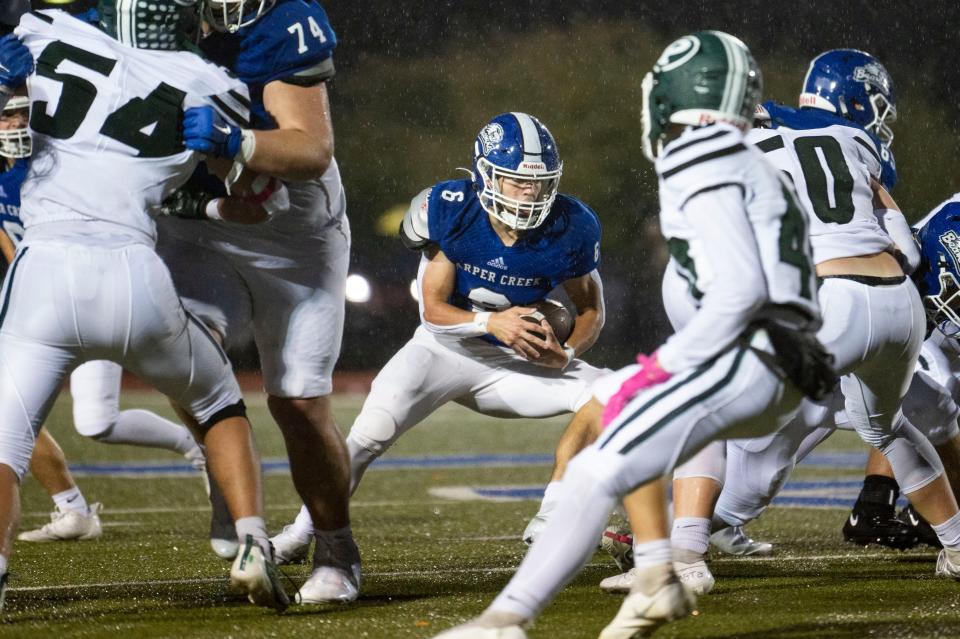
[105, 120]
[713, 158]
[831, 168]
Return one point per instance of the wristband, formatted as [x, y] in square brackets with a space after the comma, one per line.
[481, 319]
[213, 209]
[248, 145]
[571, 354]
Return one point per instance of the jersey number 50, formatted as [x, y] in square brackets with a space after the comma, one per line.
[159, 112]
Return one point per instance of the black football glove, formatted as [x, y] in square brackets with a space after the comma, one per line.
[186, 204]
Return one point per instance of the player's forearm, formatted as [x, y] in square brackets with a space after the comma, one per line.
[291, 154]
[440, 317]
[7, 247]
[586, 330]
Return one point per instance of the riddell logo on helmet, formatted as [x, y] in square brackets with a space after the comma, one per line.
[533, 166]
[808, 99]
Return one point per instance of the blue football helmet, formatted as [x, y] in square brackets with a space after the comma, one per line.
[516, 146]
[854, 85]
[938, 275]
[15, 136]
[232, 15]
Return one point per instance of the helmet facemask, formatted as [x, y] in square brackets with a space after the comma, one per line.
[883, 111]
[517, 214]
[943, 307]
[232, 15]
[15, 142]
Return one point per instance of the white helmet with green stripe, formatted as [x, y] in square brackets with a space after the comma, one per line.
[702, 78]
[148, 24]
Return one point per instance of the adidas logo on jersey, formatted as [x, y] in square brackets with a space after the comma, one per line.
[498, 263]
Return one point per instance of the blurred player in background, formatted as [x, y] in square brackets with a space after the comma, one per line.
[113, 298]
[492, 247]
[286, 277]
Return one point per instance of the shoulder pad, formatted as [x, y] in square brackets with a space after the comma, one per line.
[415, 228]
[701, 149]
[293, 42]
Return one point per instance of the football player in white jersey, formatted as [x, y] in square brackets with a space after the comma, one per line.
[738, 229]
[836, 166]
[94, 386]
[106, 103]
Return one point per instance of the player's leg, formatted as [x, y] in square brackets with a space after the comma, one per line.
[72, 518]
[30, 372]
[177, 355]
[872, 401]
[95, 388]
[298, 326]
[221, 301]
[422, 376]
[662, 426]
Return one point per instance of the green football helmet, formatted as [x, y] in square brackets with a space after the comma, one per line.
[702, 78]
[159, 25]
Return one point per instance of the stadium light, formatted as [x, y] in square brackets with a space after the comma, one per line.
[358, 289]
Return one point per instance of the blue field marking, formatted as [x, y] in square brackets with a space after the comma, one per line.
[807, 494]
[278, 465]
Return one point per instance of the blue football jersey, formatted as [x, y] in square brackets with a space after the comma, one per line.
[10, 182]
[292, 42]
[800, 119]
[492, 276]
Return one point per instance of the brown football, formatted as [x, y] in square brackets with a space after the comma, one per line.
[556, 314]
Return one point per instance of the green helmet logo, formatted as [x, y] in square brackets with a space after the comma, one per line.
[148, 24]
[702, 78]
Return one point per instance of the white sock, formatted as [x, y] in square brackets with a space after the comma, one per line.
[652, 553]
[142, 428]
[71, 500]
[564, 546]
[255, 527]
[949, 532]
[691, 534]
[303, 524]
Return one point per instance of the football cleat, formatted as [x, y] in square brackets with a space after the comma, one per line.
[255, 575]
[223, 533]
[336, 576]
[68, 525]
[948, 564]
[618, 543]
[867, 526]
[924, 531]
[695, 576]
[618, 583]
[290, 547]
[733, 541]
[641, 614]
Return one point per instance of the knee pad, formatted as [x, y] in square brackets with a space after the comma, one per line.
[710, 462]
[375, 430]
[915, 462]
[94, 419]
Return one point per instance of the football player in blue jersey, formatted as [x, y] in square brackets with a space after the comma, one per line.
[492, 247]
[286, 277]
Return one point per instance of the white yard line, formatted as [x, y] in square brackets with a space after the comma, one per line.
[469, 571]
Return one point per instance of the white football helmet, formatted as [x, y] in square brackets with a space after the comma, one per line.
[15, 142]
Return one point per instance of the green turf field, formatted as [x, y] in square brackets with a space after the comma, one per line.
[430, 561]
